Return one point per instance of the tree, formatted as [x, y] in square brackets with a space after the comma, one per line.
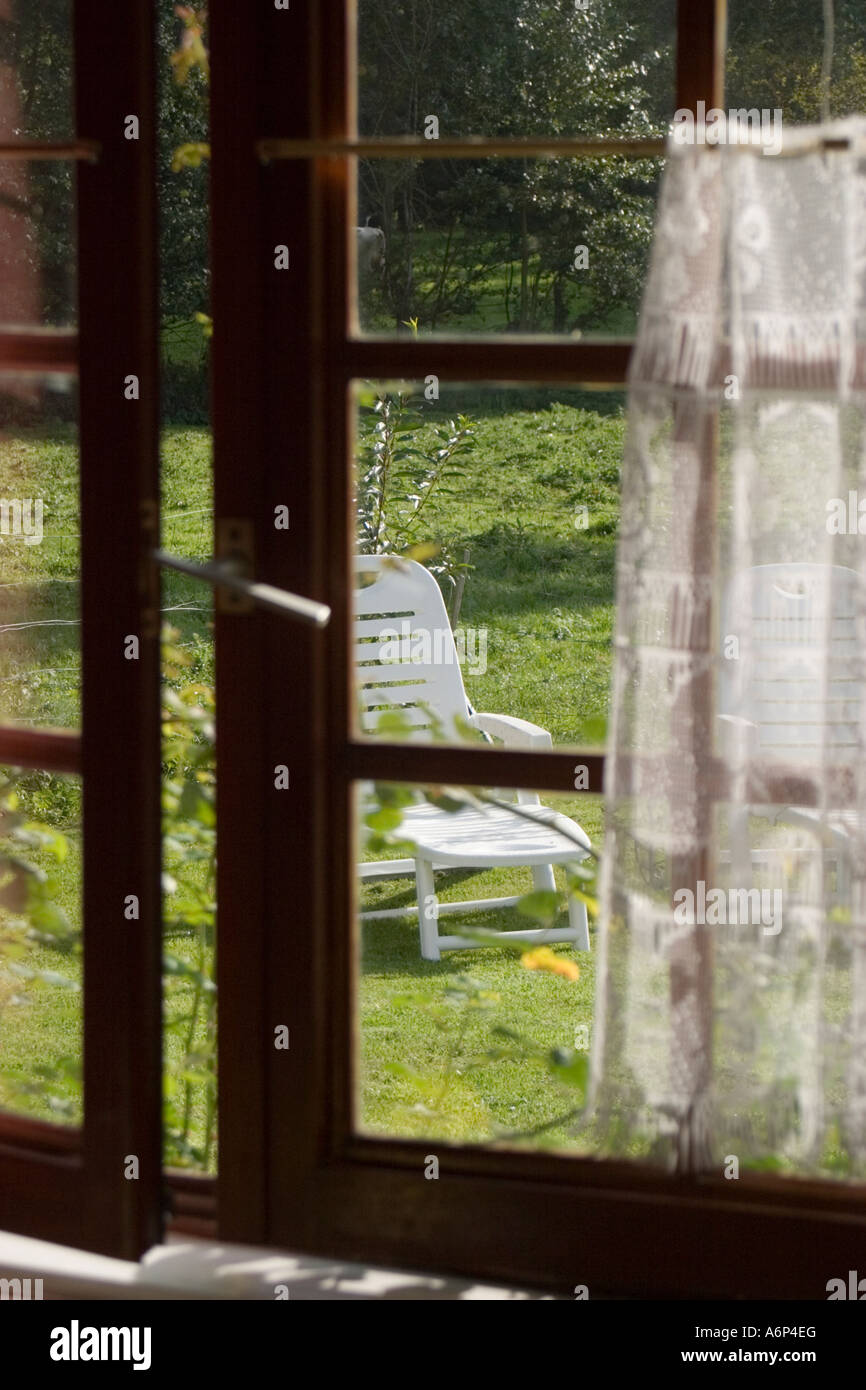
[38, 46]
[775, 53]
[182, 167]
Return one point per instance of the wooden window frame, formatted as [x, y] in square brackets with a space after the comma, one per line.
[293, 1169]
[69, 1185]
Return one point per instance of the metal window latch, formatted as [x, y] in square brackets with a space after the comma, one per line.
[230, 575]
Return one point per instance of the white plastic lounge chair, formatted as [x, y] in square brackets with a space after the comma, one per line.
[778, 694]
[406, 658]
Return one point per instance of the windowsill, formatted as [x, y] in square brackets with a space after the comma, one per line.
[203, 1269]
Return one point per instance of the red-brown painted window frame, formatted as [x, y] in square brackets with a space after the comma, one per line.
[69, 1185]
[293, 1170]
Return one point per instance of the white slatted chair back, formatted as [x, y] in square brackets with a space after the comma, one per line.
[805, 706]
[406, 657]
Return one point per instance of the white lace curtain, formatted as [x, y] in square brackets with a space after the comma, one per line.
[731, 1005]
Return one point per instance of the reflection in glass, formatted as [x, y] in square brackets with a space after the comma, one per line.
[40, 945]
[36, 70]
[37, 244]
[39, 553]
[781, 56]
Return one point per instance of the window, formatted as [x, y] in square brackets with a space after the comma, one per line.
[78, 1184]
[294, 155]
[325, 1185]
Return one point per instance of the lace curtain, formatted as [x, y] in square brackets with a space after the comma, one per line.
[731, 1006]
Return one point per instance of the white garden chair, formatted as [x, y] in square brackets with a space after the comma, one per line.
[406, 659]
[777, 697]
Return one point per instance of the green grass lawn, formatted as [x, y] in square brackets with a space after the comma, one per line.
[424, 1016]
[542, 588]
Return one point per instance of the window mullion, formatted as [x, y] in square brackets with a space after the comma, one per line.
[121, 765]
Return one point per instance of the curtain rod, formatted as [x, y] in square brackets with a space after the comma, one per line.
[823, 143]
[44, 149]
[413, 147]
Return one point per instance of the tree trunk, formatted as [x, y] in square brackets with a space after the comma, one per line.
[524, 268]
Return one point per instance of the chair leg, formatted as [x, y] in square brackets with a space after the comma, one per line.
[428, 910]
[543, 880]
[578, 919]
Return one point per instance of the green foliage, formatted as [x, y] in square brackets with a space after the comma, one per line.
[30, 852]
[37, 46]
[475, 1061]
[191, 53]
[182, 167]
[189, 914]
[33, 853]
[775, 53]
[35, 928]
[491, 244]
[402, 463]
[535, 455]
[456, 1005]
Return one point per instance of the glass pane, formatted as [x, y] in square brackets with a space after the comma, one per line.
[189, 907]
[189, 812]
[509, 499]
[532, 246]
[776, 57]
[183, 175]
[36, 70]
[470, 1034]
[40, 672]
[189, 790]
[515, 68]
[40, 945]
[37, 244]
[491, 1040]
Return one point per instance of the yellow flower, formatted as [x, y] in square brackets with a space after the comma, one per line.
[542, 958]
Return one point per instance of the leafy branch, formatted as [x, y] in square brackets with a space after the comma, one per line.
[399, 471]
